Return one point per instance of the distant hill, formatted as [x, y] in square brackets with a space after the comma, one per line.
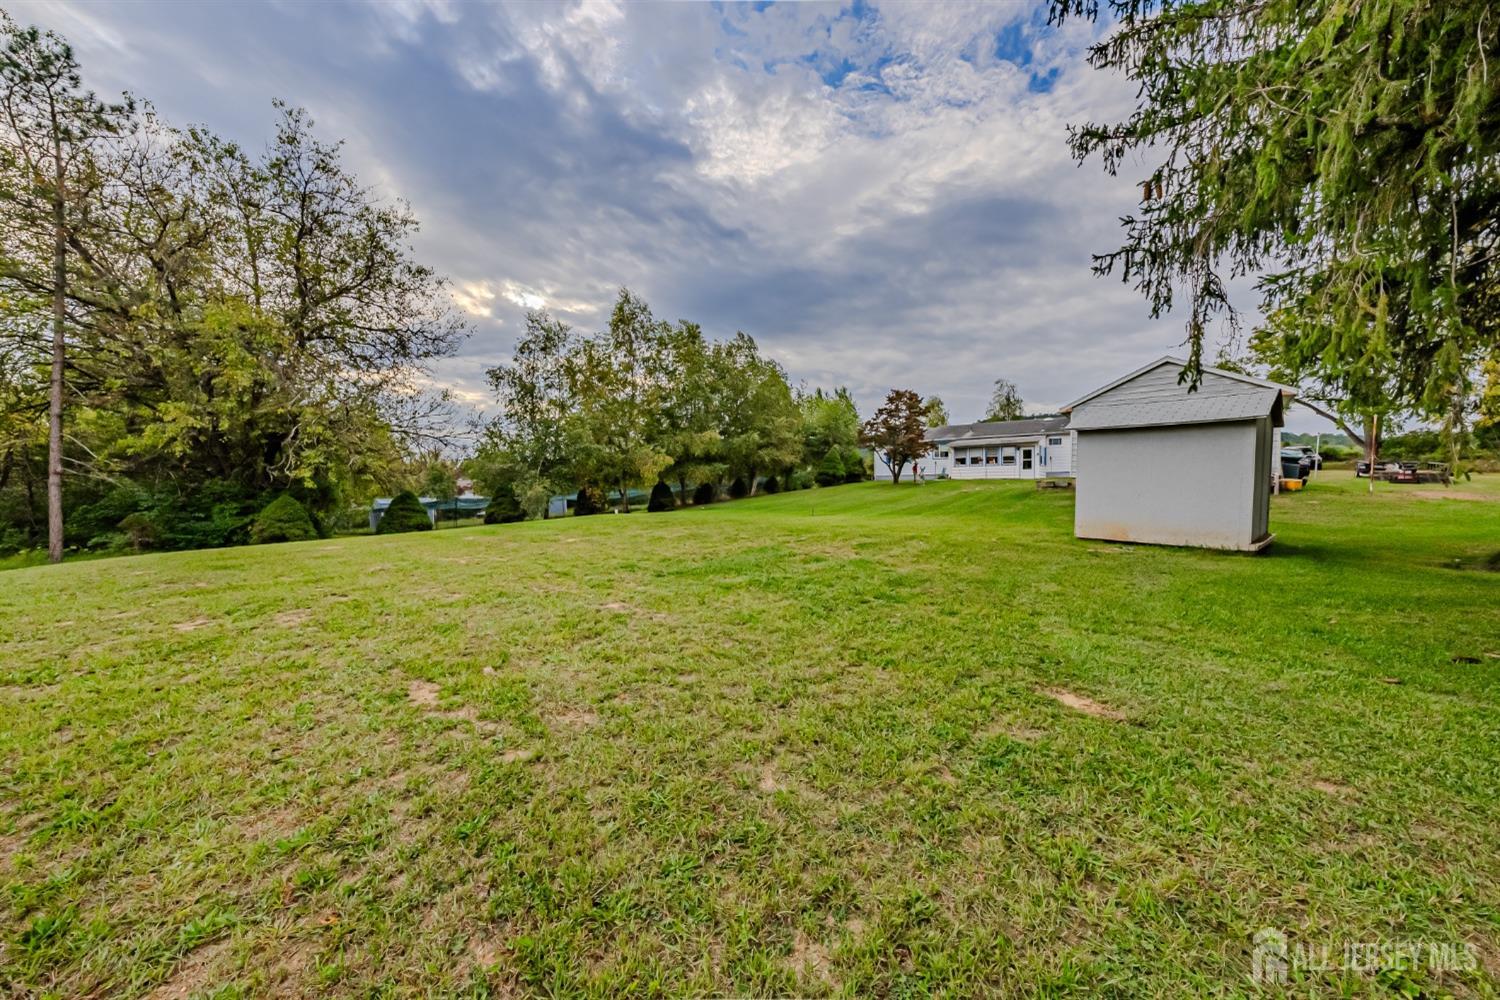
[1336, 440]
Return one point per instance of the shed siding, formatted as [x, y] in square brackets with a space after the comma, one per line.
[1193, 484]
[1260, 474]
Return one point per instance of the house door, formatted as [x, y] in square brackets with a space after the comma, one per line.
[1026, 462]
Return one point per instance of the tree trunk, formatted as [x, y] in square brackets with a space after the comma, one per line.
[1372, 445]
[624, 497]
[750, 483]
[682, 493]
[55, 408]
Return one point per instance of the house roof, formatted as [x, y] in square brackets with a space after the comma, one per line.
[996, 430]
[1154, 396]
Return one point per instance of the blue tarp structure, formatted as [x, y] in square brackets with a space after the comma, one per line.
[457, 507]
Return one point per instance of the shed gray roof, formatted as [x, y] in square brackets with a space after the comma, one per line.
[997, 429]
[1153, 396]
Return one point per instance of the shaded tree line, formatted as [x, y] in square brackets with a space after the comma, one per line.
[648, 403]
[190, 329]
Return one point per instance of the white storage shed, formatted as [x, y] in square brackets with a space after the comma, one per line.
[1160, 464]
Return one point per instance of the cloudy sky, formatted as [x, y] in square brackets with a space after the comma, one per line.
[880, 195]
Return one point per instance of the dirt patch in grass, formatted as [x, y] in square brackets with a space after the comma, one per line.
[770, 781]
[1086, 705]
[812, 957]
[486, 950]
[621, 608]
[193, 625]
[1332, 788]
[1452, 495]
[574, 718]
[296, 616]
[426, 695]
[274, 824]
[423, 694]
[1014, 731]
[193, 975]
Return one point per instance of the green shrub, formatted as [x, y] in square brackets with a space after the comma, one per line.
[139, 530]
[799, 479]
[705, 493]
[771, 485]
[504, 508]
[281, 520]
[405, 513]
[661, 498]
[590, 501]
[854, 466]
[831, 469]
[737, 489]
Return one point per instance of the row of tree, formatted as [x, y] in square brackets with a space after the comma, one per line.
[189, 329]
[191, 332]
[646, 401]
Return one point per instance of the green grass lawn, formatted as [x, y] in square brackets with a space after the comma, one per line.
[867, 740]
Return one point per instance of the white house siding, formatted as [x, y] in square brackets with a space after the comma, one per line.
[1189, 484]
[1047, 459]
[932, 467]
[1058, 457]
[996, 460]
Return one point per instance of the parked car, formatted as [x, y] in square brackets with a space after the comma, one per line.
[1314, 457]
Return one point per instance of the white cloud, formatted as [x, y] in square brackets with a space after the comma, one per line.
[880, 199]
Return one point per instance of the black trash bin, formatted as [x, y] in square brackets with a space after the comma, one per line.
[1294, 464]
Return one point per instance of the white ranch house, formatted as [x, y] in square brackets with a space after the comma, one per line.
[1009, 449]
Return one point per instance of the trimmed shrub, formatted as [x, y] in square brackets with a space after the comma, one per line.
[771, 485]
[799, 479]
[405, 513]
[854, 466]
[590, 501]
[831, 469]
[504, 508]
[705, 493]
[281, 520]
[737, 489]
[661, 498]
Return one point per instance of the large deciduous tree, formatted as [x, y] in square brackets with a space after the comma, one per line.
[615, 384]
[1005, 402]
[898, 430]
[935, 411]
[526, 450]
[1345, 154]
[830, 421]
[51, 129]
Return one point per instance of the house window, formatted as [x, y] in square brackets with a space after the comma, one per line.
[943, 453]
[1056, 440]
[989, 456]
[1009, 457]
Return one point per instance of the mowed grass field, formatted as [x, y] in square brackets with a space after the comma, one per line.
[871, 740]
